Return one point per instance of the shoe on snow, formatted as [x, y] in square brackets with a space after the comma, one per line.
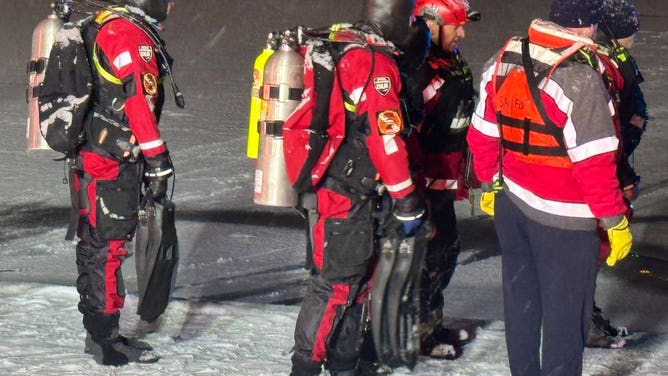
[371, 368]
[597, 338]
[132, 342]
[457, 337]
[443, 343]
[603, 324]
[120, 351]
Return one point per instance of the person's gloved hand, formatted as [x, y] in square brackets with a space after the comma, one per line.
[487, 197]
[157, 172]
[410, 212]
[620, 241]
[487, 202]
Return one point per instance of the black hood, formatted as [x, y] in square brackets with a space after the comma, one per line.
[390, 17]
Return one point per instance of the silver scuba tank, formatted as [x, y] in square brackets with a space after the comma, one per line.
[281, 90]
[43, 38]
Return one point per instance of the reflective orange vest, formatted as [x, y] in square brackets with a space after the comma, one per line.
[524, 127]
[532, 137]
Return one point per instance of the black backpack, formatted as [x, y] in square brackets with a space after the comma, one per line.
[64, 96]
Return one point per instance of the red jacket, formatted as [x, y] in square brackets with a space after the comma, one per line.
[379, 102]
[131, 55]
[576, 100]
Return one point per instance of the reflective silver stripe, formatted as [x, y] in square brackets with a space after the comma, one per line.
[430, 91]
[399, 186]
[409, 218]
[161, 173]
[151, 145]
[390, 144]
[441, 184]
[355, 95]
[592, 148]
[485, 127]
[566, 209]
[459, 123]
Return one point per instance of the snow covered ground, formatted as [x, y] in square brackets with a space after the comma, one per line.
[241, 270]
[41, 335]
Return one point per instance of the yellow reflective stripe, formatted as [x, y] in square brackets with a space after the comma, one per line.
[103, 72]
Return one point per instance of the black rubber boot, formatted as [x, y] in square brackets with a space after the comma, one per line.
[602, 334]
[108, 347]
[302, 366]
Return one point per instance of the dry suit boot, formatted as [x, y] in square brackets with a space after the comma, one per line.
[108, 347]
[439, 342]
[117, 352]
[132, 342]
[602, 334]
[444, 343]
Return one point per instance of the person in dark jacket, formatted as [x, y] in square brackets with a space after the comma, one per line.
[437, 150]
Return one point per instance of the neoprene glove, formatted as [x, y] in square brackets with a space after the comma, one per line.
[157, 173]
[620, 241]
[410, 212]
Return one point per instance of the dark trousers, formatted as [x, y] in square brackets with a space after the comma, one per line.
[441, 259]
[548, 282]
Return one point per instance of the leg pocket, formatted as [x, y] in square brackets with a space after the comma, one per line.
[348, 248]
[117, 204]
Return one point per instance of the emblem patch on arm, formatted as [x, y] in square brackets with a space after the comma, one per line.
[149, 83]
[389, 122]
[382, 84]
[145, 52]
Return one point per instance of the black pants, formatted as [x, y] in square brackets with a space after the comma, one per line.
[548, 282]
[442, 253]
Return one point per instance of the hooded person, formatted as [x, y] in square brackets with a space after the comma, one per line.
[122, 151]
[370, 171]
[545, 149]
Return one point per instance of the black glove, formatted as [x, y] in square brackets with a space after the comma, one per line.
[157, 172]
[410, 212]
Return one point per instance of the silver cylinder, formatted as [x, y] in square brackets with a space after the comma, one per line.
[281, 90]
[43, 37]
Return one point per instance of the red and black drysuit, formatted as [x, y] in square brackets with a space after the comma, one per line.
[122, 135]
[343, 236]
[437, 152]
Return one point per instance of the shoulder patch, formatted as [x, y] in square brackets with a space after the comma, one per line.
[145, 52]
[389, 122]
[382, 84]
[149, 83]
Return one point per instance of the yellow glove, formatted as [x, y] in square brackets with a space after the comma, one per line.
[487, 202]
[620, 241]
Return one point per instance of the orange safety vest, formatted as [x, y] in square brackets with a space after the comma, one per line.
[524, 127]
[524, 131]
